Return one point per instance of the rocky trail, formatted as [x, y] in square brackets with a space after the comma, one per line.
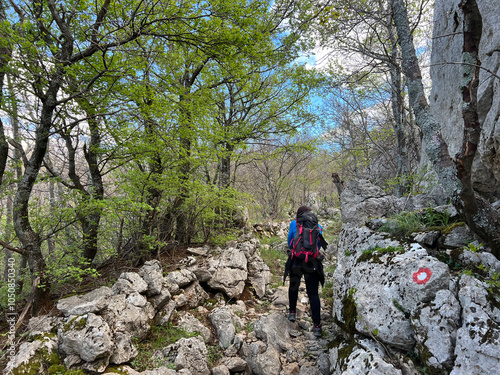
[235, 323]
[424, 302]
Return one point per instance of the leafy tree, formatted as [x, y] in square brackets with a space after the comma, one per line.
[363, 32]
[53, 40]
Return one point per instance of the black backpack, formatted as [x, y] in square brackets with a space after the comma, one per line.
[305, 243]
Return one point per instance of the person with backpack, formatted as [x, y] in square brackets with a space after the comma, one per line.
[304, 259]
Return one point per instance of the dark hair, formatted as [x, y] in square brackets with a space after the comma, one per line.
[302, 209]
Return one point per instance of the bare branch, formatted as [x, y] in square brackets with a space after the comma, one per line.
[5, 245]
[466, 64]
[19, 147]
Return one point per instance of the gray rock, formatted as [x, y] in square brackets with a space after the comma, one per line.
[125, 317]
[478, 340]
[259, 275]
[361, 200]
[446, 97]
[376, 293]
[189, 323]
[42, 325]
[249, 247]
[181, 278]
[222, 319]
[220, 370]
[195, 295]
[160, 300]
[163, 371]
[361, 362]
[191, 355]
[124, 350]
[230, 272]
[152, 274]
[234, 364]
[137, 283]
[460, 236]
[91, 302]
[90, 338]
[137, 299]
[202, 275]
[435, 329]
[490, 262]
[199, 251]
[261, 359]
[164, 315]
[274, 330]
[31, 357]
[428, 238]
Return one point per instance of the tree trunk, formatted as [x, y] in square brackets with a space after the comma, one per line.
[454, 178]
[225, 166]
[397, 112]
[5, 54]
[52, 199]
[96, 190]
[7, 234]
[185, 142]
[30, 240]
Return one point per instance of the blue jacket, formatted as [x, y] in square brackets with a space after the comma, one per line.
[293, 230]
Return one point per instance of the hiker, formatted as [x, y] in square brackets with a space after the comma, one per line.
[305, 259]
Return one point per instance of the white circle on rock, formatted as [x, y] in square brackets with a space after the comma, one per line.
[422, 276]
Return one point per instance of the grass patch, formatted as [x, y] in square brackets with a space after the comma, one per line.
[275, 260]
[215, 353]
[374, 254]
[327, 293]
[150, 355]
[405, 223]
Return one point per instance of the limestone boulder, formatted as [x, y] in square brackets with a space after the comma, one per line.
[362, 362]
[259, 275]
[230, 271]
[123, 316]
[190, 354]
[379, 282]
[32, 357]
[88, 337]
[361, 200]
[135, 283]
[274, 330]
[435, 329]
[152, 273]
[189, 323]
[91, 302]
[477, 347]
[261, 358]
[195, 295]
[222, 320]
[180, 278]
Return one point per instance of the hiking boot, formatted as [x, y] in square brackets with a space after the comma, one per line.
[291, 317]
[317, 331]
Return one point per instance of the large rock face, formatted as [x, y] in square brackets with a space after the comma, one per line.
[403, 294]
[446, 75]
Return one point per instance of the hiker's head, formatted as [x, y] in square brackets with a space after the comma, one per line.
[302, 209]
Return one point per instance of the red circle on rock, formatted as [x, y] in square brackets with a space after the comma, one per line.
[422, 275]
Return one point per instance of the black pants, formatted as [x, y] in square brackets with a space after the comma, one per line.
[312, 286]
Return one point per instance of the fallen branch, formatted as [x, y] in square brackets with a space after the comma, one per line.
[29, 302]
